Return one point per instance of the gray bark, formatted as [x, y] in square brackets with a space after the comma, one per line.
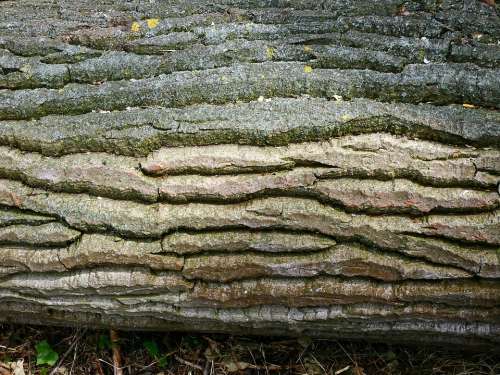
[268, 167]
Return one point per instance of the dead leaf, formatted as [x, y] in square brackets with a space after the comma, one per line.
[62, 371]
[232, 366]
[3, 369]
[489, 2]
[16, 368]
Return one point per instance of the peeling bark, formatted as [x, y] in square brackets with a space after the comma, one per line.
[280, 167]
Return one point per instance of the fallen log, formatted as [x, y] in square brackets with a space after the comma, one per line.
[326, 169]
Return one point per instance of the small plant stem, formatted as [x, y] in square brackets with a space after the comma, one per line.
[117, 359]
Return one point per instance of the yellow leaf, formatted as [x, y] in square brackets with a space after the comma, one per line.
[308, 69]
[135, 27]
[307, 49]
[152, 22]
[466, 105]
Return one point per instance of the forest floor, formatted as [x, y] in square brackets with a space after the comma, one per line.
[67, 351]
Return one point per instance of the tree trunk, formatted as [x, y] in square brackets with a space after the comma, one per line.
[322, 168]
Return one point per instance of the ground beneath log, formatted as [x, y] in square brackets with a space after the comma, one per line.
[82, 351]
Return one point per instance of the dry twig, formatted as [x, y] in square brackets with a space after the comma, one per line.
[187, 363]
[77, 338]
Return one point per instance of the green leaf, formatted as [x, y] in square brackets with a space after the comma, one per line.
[154, 352]
[6, 358]
[104, 342]
[163, 362]
[45, 355]
[152, 348]
[191, 342]
[390, 356]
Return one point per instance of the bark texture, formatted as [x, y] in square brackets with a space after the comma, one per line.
[323, 168]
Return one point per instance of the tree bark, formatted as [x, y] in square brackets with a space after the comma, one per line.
[327, 169]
